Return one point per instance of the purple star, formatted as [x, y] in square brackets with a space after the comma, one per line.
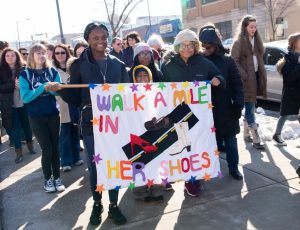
[220, 175]
[134, 87]
[164, 182]
[97, 158]
[193, 179]
[196, 83]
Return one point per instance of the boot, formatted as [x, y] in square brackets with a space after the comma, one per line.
[247, 136]
[256, 139]
[183, 142]
[30, 147]
[19, 157]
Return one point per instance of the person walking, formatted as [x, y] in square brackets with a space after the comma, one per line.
[248, 51]
[228, 103]
[94, 65]
[43, 113]
[289, 68]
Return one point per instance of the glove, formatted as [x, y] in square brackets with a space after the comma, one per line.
[237, 112]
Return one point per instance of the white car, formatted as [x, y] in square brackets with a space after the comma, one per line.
[228, 43]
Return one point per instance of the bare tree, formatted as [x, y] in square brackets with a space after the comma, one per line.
[277, 9]
[118, 12]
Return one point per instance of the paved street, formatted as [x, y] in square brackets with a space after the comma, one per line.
[267, 198]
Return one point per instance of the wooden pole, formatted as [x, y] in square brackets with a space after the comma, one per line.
[74, 86]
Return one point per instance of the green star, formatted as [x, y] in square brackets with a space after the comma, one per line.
[162, 85]
[131, 185]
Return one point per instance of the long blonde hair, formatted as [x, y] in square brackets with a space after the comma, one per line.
[35, 48]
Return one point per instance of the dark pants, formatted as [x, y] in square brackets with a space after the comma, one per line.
[20, 126]
[69, 144]
[46, 130]
[231, 148]
[89, 149]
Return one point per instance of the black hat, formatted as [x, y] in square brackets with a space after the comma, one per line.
[90, 27]
[208, 34]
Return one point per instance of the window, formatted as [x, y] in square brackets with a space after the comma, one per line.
[272, 56]
[190, 4]
[207, 1]
[225, 29]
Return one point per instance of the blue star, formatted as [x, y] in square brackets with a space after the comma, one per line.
[92, 85]
[117, 188]
[193, 179]
[134, 87]
[207, 82]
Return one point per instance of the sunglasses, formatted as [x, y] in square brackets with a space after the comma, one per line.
[118, 44]
[24, 54]
[60, 53]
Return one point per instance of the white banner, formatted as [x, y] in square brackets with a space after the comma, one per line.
[156, 133]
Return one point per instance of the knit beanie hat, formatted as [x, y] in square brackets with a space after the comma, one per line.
[185, 36]
[208, 34]
[90, 27]
[140, 47]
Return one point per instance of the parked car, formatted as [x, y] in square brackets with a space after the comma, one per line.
[228, 43]
[274, 51]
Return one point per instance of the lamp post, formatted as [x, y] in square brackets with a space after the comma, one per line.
[18, 32]
[62, 38]
[249, 6]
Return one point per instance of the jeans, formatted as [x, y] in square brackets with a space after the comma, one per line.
[282, 120]
[46, 130]
[89, 149]
[232, 155]
[20, 125]
[249, 112]
[69, 144]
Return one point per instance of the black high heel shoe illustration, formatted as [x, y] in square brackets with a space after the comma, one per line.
[156, 124]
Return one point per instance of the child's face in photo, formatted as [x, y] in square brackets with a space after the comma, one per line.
[142, 77]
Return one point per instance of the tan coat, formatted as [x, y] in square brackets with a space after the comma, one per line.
[243, 55]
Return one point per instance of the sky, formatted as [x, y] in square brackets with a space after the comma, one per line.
[40, 16]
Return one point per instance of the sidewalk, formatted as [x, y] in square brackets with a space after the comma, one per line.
[267, 198]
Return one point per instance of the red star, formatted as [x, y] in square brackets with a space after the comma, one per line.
[148, 86]
[206, 177]
[213, 129]
[210, 106]
[150, 183]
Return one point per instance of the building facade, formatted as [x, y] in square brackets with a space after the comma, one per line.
[226, 15]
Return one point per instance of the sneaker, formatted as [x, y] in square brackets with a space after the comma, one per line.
[279, 141]
[66, 168]
[19, 159]
[116, 214]
[193, 189]
[79, 162]
[168, 187]
[95, 218]
[59, 185]
[49, 185]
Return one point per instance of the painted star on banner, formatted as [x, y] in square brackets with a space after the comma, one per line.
[193, 179]
[148, 87]
[150, 183]
[173, 85]
[134, 87]
[92, 86]
[131, 185]
[206, 177]
[196, 83]
[95, 121]
[121, 88]
[99, 188]
[97, 158]
[165, 181]
[210, 105]
[213, 129]
[217, 152]
[220, 174]
[117, 188]
[185, 84]
[162, 85]
[106, 87]
[207, 82]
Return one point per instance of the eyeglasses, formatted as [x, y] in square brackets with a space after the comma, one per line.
[145, 54]
[60, 53]
[24, 54]
[118, 44]
[188, 46]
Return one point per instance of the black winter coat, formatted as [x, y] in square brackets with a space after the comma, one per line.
[85, 70]
[290, 100]
[227, 101]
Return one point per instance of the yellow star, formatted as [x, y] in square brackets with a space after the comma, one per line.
[173, 85]
[217, 153]
[206, 177]
[210, 106]
[185, 84]
[121, 88]
[95, 121]
[99, 188]
[106, 87]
